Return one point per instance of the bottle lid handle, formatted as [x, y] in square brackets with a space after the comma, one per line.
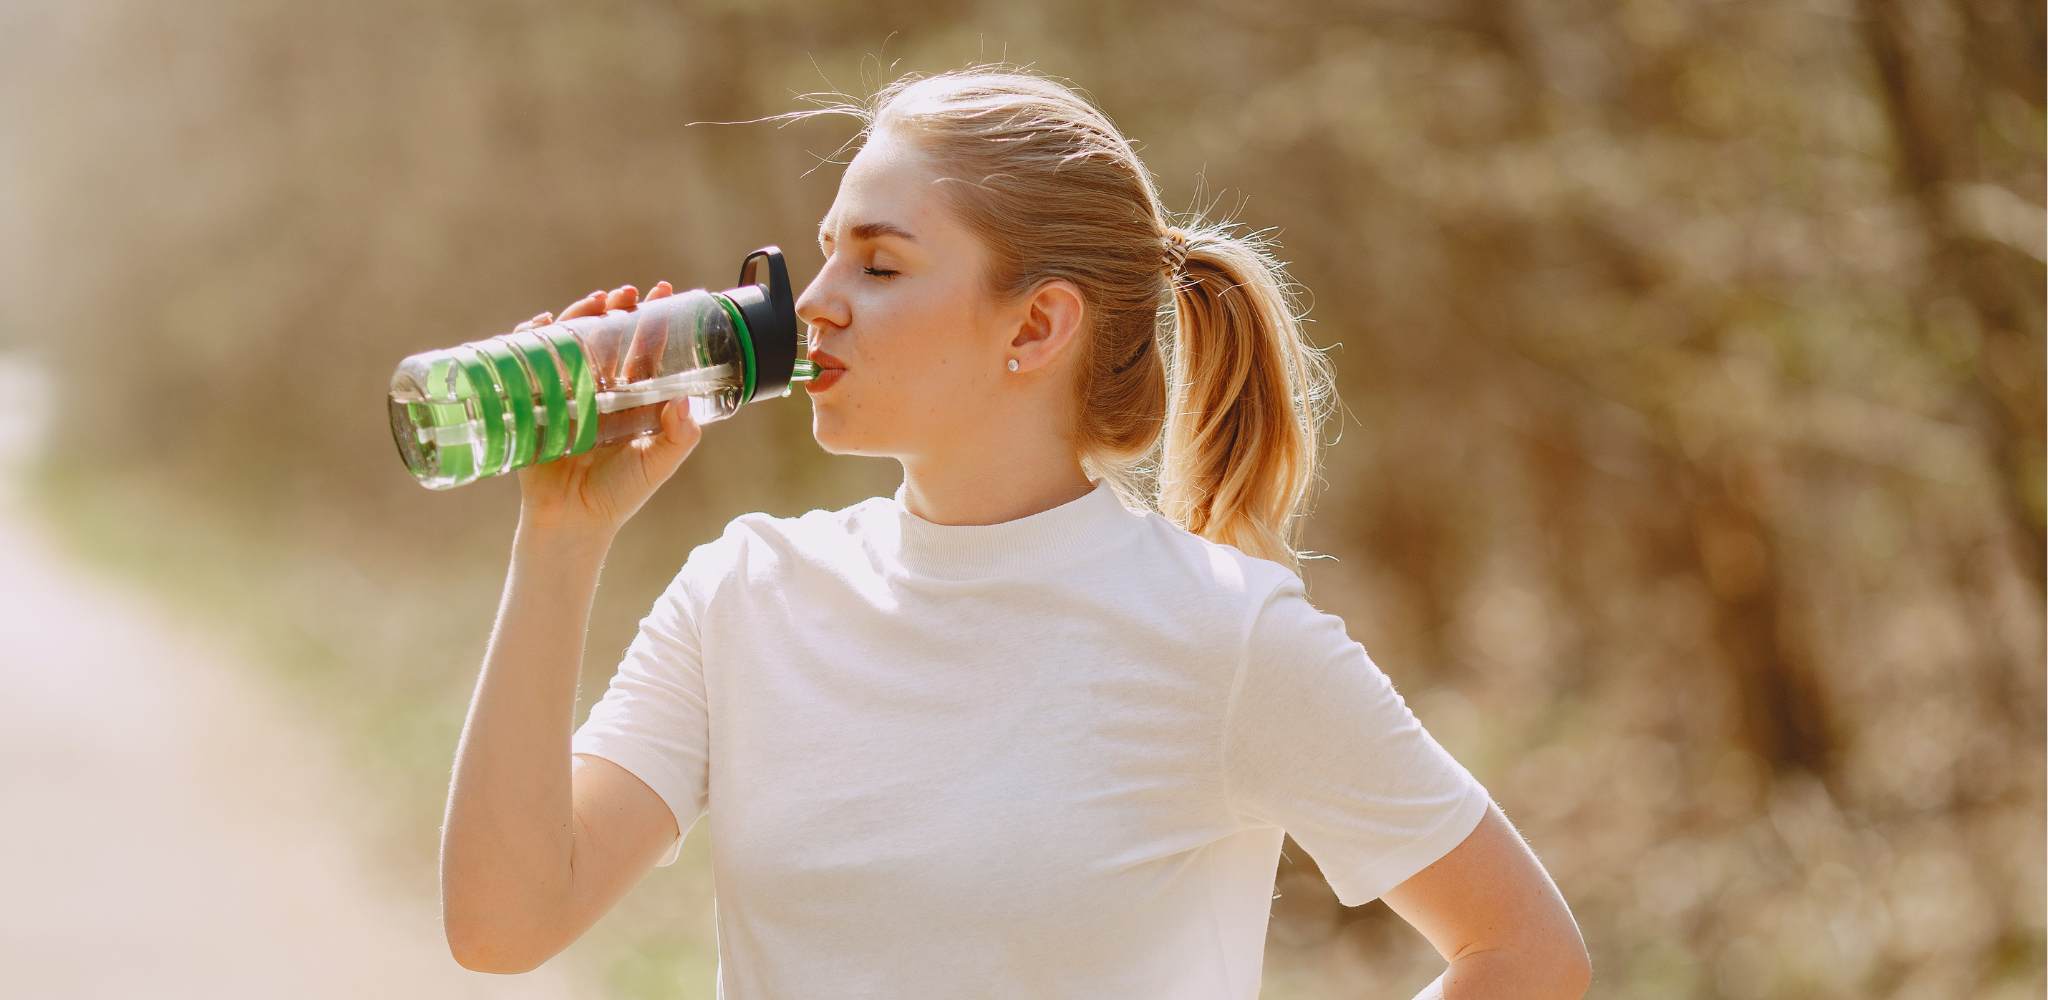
[769, 310]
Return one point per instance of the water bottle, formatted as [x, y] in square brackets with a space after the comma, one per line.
[486, 407]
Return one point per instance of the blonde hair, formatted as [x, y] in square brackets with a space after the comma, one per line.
[1053, 190]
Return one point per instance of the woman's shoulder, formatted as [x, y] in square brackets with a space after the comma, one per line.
[1211, 565]
[756, 545]
[812, 531]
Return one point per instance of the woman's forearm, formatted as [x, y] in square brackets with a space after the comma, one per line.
[508, 837]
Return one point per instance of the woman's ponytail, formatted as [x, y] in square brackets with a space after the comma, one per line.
[1246, 396]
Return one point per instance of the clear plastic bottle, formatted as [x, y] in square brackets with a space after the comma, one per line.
[486, 407]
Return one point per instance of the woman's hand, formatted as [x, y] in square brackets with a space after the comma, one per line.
[598, 491]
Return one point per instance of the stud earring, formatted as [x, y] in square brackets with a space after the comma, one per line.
[1013, 364]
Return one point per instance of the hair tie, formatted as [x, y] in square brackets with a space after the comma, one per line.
[1175, 252]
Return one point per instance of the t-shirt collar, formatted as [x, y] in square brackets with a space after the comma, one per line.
[1092, 522]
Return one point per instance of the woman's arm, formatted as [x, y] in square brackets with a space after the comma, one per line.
[508, 838]
[1490, 909]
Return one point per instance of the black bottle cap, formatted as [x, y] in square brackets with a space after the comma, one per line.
[769, 310]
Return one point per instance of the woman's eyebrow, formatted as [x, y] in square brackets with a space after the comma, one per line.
[868, 231]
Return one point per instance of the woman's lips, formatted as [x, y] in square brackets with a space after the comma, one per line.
[824, 380]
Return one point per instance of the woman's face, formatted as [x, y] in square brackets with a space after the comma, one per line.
[900, 304]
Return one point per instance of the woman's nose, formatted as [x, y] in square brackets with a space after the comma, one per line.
[819, 305]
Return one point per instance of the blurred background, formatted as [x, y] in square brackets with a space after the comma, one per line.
[1688, 479]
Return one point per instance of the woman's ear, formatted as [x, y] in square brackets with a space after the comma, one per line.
[1051, 322]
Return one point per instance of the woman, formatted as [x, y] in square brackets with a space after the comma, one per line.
[1011, 731]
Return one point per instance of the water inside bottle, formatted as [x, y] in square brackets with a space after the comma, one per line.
[488, 407]
[469, 429]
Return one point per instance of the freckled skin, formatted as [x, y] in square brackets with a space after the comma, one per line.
[923, 352]
[926, 352]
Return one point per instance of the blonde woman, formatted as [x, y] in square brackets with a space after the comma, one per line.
[1033, 726]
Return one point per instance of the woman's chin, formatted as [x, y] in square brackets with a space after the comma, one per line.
[834, 440]
[830, 436]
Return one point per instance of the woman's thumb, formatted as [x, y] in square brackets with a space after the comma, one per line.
[675, 418]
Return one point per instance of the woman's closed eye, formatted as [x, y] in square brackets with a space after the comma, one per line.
[878, 272]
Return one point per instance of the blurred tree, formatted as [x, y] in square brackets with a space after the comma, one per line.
[1696, 348]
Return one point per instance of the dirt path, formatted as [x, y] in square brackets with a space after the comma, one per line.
[170, 828]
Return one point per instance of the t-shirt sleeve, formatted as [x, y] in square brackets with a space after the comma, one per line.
[1319, 743]
[654, 717]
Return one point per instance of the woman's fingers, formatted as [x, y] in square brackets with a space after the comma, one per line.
[599, 302]
[589, 305]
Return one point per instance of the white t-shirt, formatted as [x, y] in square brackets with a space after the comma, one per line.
[1051, 757]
